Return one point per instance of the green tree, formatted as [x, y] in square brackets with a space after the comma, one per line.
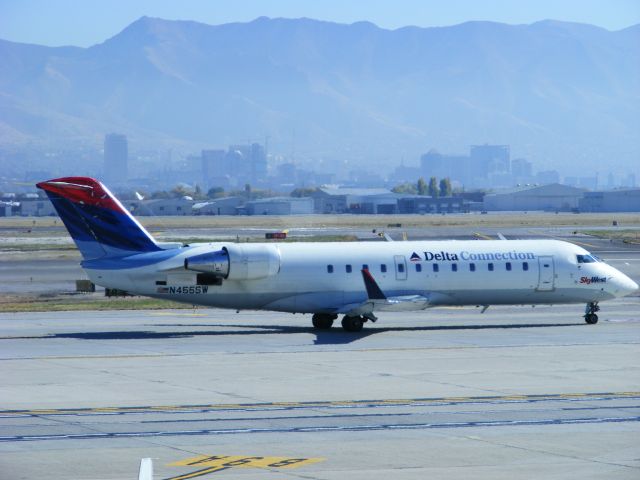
[408, 187]
[445, 187]
[303, 192]
[433, 187]
[179, 191]
[197, 193]
[215, 192]
[160, 194]
[421, 187]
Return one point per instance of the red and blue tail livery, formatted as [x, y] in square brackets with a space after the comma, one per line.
[96, 220]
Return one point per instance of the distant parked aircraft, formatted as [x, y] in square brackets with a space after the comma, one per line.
[353, 279]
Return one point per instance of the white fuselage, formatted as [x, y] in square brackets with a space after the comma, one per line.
[327, 277]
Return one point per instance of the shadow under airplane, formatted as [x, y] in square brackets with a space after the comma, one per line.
[335, 336]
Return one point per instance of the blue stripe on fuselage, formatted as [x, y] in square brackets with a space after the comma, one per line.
[131, 261]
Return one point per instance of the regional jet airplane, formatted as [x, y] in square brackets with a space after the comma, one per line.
[354, 279]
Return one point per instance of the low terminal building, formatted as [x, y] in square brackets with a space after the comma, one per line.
[377, 204]
[354, 200]
[219, 206]
[162, 206]
[423, 204]
[627, 200]
[375, 201]
[280, 206]
[9, 209]
[37, 208]
[553, 197]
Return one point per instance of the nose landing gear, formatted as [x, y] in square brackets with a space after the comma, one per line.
[590, 313]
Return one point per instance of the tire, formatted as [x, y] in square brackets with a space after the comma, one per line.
[352, 324]
[591, 318]
[322, 322]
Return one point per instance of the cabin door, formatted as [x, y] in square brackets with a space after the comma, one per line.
[546, 273]
[401, 267]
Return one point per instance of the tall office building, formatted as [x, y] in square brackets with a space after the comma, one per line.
[116, 158]
[454, 167]
[521, 169]
[258, 162]
[214, 168]
[488, 159]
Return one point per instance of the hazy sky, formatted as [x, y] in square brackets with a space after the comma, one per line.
[86, 22]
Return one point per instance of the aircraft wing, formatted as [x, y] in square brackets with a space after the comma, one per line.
[378, 301]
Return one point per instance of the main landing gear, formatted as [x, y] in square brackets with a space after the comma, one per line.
[323, 321]
[590, 313]
[354, 323]
[351, 323]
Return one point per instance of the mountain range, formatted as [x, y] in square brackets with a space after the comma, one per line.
[563, 95]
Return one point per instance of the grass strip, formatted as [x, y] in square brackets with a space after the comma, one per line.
[77, 304]
[626, 236]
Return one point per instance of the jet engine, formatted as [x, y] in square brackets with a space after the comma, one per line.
[237, 262]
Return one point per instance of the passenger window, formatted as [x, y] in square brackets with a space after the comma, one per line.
[348, 268]
[329, 268]
[525, 266]
[383, 268]
[418, 267]
[472, 267]
[490, 267]
[436, 267]
[365, 266]
[454, 267]
[508, 266]
[401, 267]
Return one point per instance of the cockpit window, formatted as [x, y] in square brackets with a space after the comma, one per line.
[586, 259]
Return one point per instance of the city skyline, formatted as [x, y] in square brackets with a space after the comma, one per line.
[559, 94]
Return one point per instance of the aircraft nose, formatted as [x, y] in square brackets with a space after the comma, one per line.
[625, 286]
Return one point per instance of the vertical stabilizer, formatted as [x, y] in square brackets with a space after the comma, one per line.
[96, 220]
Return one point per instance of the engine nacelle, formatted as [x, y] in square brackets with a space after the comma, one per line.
[238, 262]
[215, 263]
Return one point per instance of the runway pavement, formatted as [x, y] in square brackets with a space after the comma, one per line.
[515, 392]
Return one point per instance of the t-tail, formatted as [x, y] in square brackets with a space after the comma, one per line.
[96, 220]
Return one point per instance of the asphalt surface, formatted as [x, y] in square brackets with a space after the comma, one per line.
[448, 393]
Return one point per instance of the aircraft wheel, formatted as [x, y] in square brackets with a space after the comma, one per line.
[591, 318]
[321, 321]
[352, 324]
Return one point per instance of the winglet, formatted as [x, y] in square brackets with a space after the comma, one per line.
[373, 290]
